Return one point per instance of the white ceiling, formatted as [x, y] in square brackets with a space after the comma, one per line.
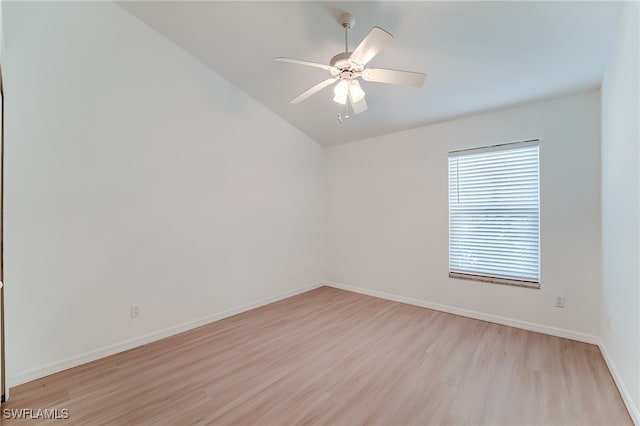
[477, 55]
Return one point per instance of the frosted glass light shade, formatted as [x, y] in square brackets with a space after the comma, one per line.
[356, 91]
[340, 92]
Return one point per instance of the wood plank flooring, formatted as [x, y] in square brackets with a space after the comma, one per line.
[334, 357]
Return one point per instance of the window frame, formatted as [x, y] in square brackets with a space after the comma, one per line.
[512, 281]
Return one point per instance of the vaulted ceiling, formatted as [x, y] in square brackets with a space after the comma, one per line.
[477, 55]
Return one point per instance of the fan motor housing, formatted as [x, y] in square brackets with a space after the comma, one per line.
[341, 61]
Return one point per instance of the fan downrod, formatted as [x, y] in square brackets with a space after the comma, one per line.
[341, 60]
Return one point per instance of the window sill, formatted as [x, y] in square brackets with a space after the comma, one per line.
[495, 280]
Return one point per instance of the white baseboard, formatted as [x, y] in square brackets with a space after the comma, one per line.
[525, 325]
[624, 392]
[64, 364]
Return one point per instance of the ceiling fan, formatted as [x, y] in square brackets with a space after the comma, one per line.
[346, 67]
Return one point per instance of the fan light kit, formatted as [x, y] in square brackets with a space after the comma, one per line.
[346, 67]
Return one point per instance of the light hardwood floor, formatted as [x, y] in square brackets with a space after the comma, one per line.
[334, 357]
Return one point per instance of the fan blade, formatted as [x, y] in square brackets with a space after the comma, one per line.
[360, 106]
[311, 64]
[304, 95]
[370, 46]
[405, 78]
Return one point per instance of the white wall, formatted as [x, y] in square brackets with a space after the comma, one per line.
[620, 327]
[1, 31]
[388, 215]
[137, 175]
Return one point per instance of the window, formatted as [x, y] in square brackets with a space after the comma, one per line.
[494, 214]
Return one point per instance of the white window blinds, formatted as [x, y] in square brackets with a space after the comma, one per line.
[494, 214]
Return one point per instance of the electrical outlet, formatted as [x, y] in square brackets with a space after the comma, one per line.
[135, 311]
[609, 323]
[560, 301]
